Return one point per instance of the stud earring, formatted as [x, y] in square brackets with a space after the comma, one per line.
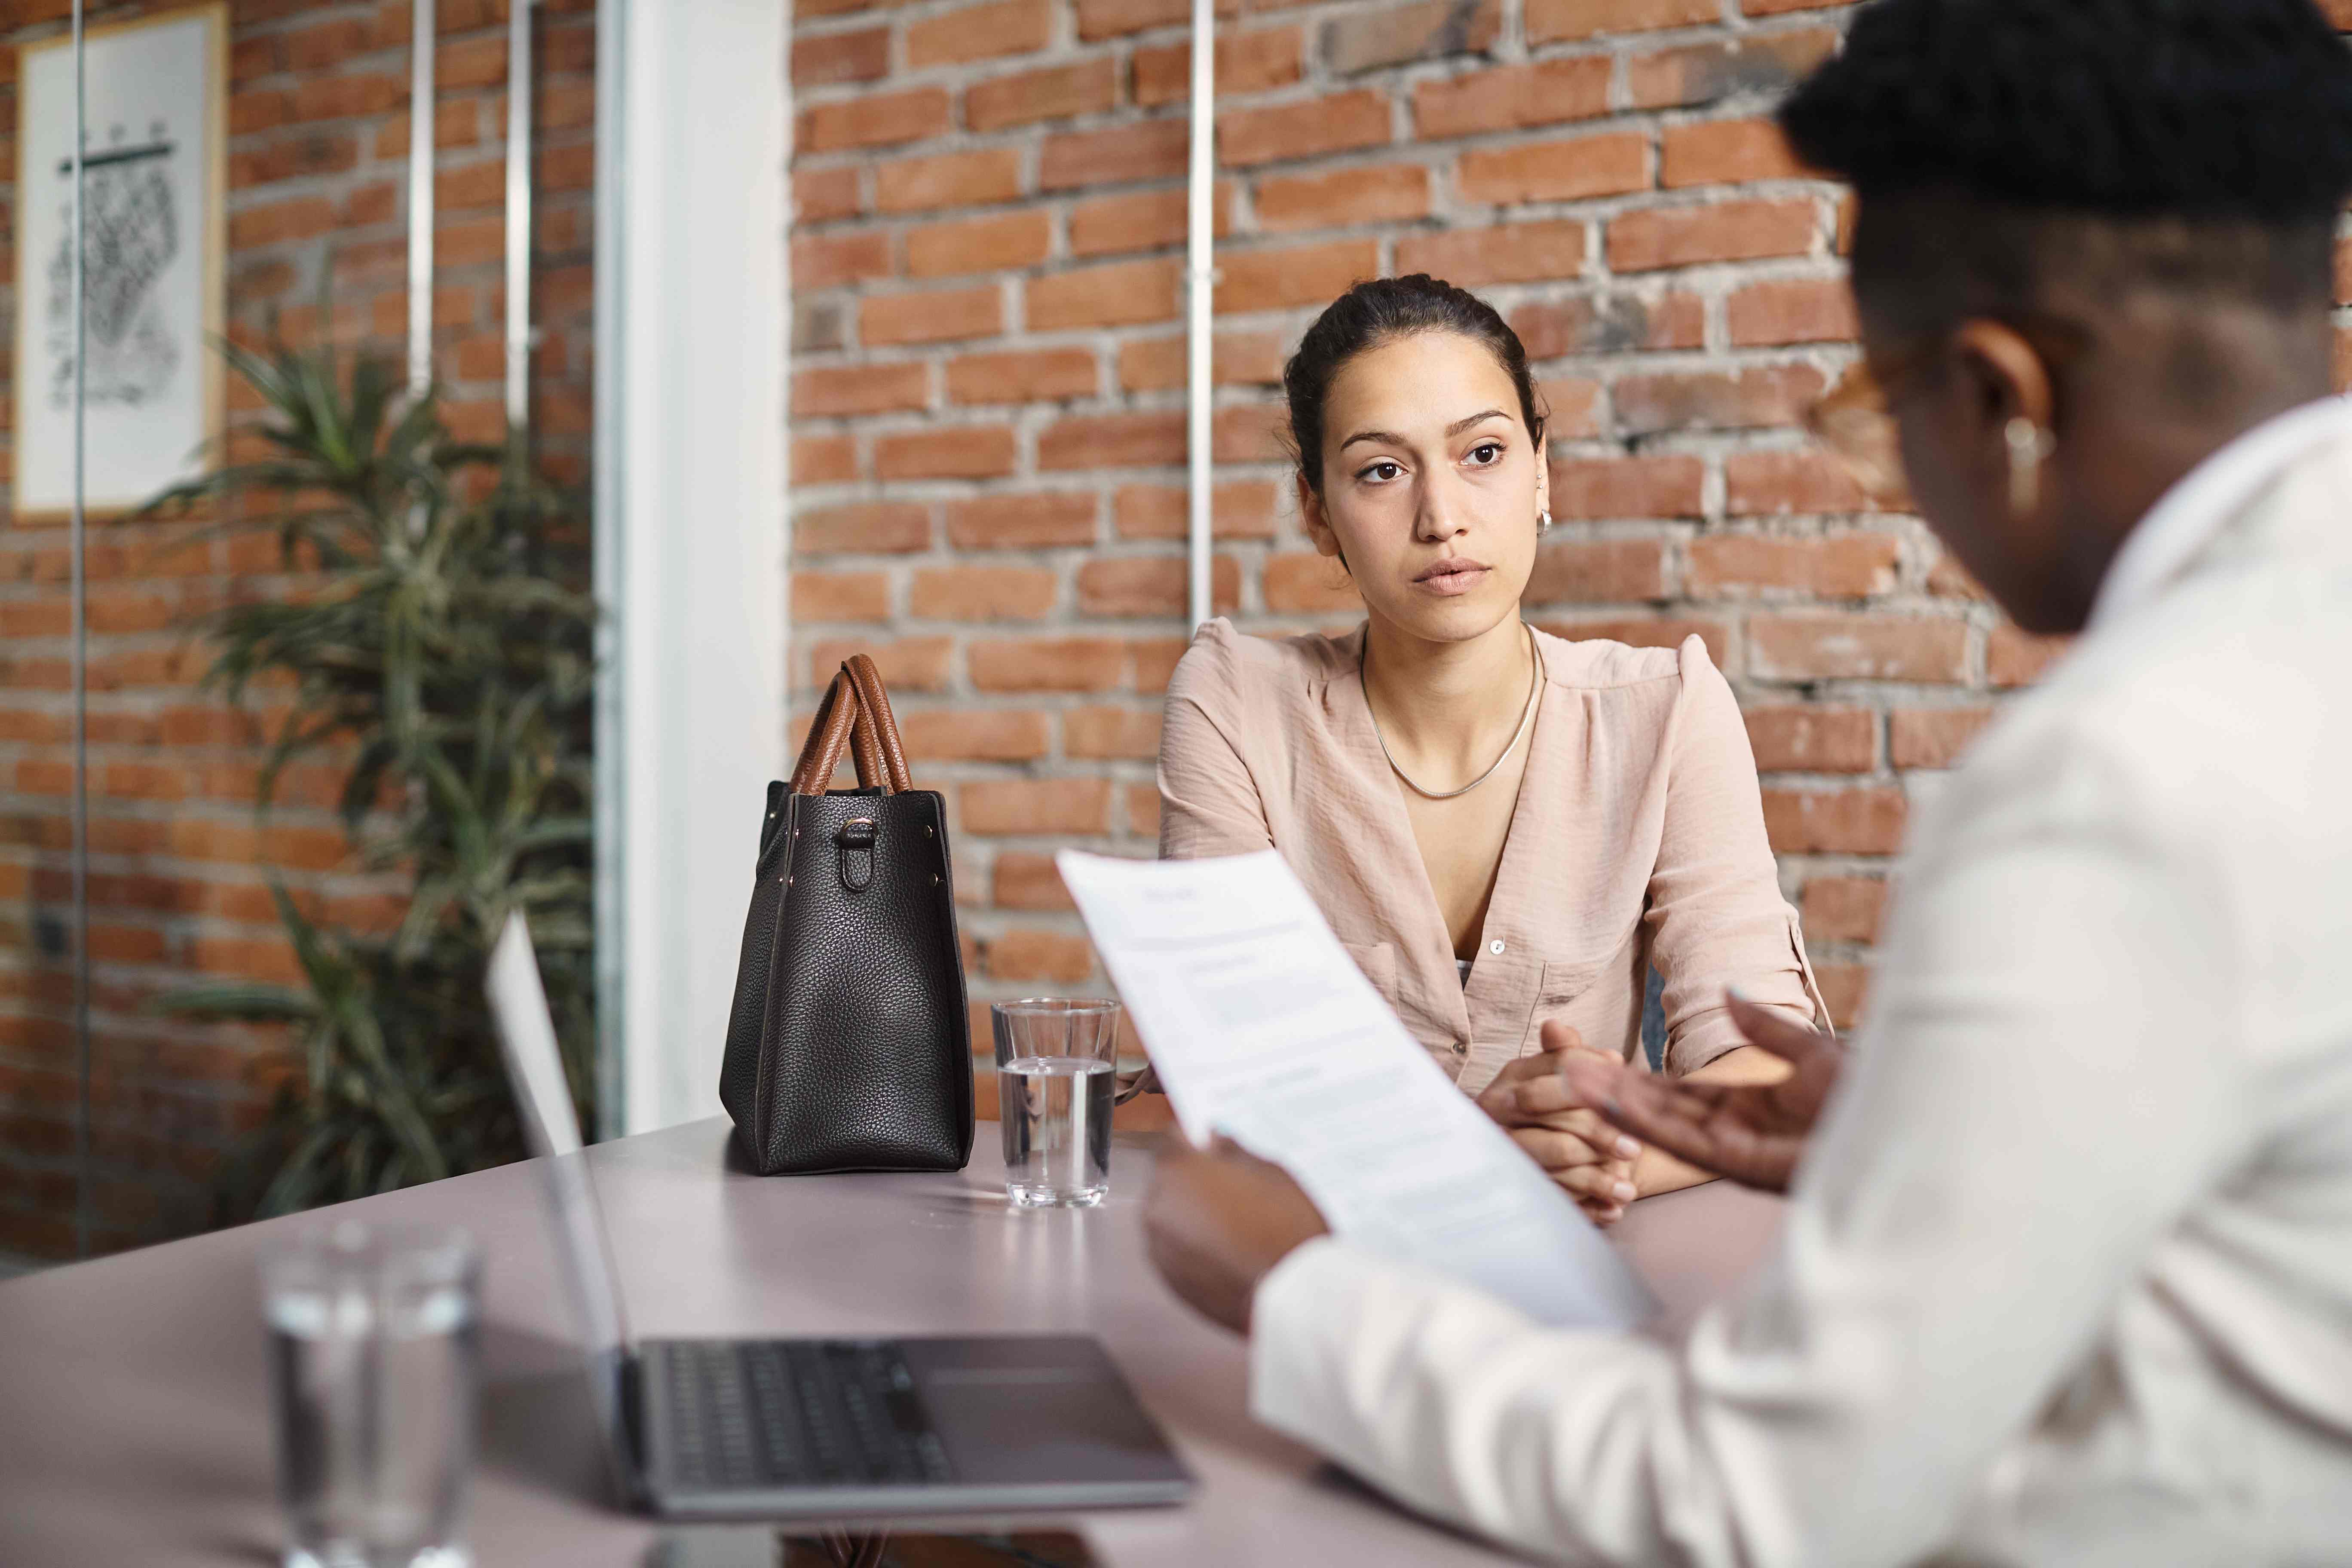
[2030, 446]
[1543, 521]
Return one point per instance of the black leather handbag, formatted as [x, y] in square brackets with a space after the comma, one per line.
[848, 1047]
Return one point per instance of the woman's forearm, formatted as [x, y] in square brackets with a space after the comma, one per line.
[1655, 1171]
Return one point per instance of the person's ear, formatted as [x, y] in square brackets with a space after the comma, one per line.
[2002, 377]
[1311, 514]
[1543, 476]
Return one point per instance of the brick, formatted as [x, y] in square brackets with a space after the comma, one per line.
[1715, 400]
[1512, 98]
[860, 389]
[1729, 231]
[1238, 508]
[991, 244]
[1778, 7]
[1549, 21]
[1339, 122]
[1122, 293]
[1696, 74]
[1296, 275]
[1808, 739]
[1248, 62]
[1360, 39]
[1840, 566]
[983, 594]
[1504, 253]
[1023, 377]
[1846, 988]
[1112, 441]
[986, 31]
[279, 223]
[824, 459]
[1050, 956]
[1150, 149]
[918, 664]
[820, 195]
[1568, 170]
[1863, 820]
[861, 55]
[947, 180]
[1934, 737]
[2013, 658]
[1236, 358]
[1857, 648]
[935, 316]
[1024, 522]
[829, 261]
[1142, 220]
[1779, 484]
[1947, 579]
[840, 596]
[1346, 198]
[1143, 811]
[1048, 663]
[1611, 324]
[1051, 92]
[1598, 571]
[1725, 152]
[1304, 582]
[344, 96]
[1251, 433]
[1571, 407]
[874, 120]
[945, 452]
[1796, 310]
[1119, 587]
[1843, 909]
[1024, 881]
[1112, 734]
[974, 735]
[1116, 18]
[893, 528]
[1604, 488]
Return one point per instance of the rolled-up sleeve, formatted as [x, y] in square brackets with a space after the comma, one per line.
[1716, 914]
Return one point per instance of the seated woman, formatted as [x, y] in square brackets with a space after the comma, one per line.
[1506, 830]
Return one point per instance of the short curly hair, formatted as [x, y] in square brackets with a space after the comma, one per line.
[2229, 110]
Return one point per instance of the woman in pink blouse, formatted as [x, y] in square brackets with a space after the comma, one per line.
[1506, 830]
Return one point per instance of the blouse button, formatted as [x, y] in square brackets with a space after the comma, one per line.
[1496, 945]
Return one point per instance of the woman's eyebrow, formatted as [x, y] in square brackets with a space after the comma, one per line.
[1393, 439]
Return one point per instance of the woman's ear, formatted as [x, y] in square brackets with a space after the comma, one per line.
[1319, 526]
[1543, 478]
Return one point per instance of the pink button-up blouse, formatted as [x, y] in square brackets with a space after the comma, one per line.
[1637, 839]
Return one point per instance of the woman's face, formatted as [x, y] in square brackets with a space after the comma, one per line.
[1431, 484]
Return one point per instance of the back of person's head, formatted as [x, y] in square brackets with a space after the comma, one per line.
[1381, 311]
[2003, 149]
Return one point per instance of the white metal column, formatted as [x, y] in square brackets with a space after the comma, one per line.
[1201, 230]
[693, 122]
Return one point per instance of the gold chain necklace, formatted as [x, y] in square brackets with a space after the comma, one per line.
[1535, 689]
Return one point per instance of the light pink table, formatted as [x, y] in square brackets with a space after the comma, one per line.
[135, 1424]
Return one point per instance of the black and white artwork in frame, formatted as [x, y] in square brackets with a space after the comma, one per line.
[152, 282]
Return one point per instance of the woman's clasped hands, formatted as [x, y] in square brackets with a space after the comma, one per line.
[1590, 1160]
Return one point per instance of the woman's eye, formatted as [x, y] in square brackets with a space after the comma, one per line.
[1381, 473]
[1486, 453]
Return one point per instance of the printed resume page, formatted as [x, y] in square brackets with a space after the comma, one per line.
[1262, 1027]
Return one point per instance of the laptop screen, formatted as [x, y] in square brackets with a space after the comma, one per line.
[535, 1074]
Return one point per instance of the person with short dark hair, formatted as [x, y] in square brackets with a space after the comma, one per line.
[2066, 1273]
[1509, 830]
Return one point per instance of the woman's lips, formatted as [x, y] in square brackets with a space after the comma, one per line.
[1456, 575]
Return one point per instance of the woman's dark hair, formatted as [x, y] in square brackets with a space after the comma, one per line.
[1381, 311]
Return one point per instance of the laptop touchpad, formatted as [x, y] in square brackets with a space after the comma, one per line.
[1035, 1410]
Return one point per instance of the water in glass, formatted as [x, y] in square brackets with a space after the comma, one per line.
[375, 1362]
[1056, 1120]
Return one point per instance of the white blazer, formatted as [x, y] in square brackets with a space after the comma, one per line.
[2067, 1275]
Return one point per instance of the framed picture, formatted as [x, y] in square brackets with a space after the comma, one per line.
[154, 174]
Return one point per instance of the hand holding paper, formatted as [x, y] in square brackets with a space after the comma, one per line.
[1262, 1028]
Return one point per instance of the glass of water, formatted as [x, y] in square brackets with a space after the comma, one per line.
[1056, 1058]
[375, 1370]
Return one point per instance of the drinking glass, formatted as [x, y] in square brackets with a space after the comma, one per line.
[375, 1374]
[1056, 1060]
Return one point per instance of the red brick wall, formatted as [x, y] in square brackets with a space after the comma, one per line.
[989, 391]
[318, 168]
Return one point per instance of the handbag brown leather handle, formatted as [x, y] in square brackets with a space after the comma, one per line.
[854, 716]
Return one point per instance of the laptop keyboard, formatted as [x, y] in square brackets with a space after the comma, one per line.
[797, 1412]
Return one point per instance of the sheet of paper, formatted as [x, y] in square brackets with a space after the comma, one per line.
[1262, 1027]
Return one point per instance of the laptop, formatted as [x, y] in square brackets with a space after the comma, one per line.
[830, 1427]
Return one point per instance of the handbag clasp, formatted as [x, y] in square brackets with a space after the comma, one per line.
[855, 839]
